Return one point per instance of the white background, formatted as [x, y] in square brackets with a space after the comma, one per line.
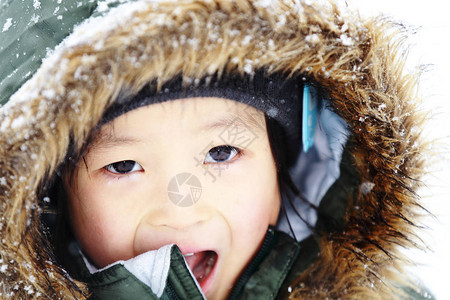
[430, 46]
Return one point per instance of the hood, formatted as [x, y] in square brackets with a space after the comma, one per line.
[359, 64]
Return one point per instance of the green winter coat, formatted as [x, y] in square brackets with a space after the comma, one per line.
[96, 51]
[264, 278]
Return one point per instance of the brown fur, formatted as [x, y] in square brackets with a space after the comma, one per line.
[365, 79]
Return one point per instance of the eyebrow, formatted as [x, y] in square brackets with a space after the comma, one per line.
[107, 140]
[243, 119]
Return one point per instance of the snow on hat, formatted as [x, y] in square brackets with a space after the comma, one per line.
[43, 27]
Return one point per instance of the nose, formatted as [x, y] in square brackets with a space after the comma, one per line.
[181, 205]
[179, 218]
[178, 211]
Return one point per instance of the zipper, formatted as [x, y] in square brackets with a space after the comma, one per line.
[171, 292]
[263, 251]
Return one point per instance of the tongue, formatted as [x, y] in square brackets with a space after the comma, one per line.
[201, 264]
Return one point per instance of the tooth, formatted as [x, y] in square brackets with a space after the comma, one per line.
[209, 265]
[208, 269]
[210, 262]
[188, 254]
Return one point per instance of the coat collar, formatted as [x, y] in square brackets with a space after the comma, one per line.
[262, 278]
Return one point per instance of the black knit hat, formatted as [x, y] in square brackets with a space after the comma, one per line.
[277, 95]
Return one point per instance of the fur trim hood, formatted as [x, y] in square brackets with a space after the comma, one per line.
[358, 63]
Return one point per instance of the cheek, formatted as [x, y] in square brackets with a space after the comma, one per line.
[254, 205]
[253, 218]
[99, 226]
[249, 229]
[88, 216]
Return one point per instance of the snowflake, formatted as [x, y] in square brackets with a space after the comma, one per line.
[346, 40]
[7, 24]
[3, 268]
[37, 4]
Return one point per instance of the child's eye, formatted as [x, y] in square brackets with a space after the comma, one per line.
[221, 154]
[124, 167]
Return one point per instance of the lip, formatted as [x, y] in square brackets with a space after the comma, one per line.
[206, 284]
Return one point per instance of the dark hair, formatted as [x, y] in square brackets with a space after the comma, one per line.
[283, 160]
[54, 217]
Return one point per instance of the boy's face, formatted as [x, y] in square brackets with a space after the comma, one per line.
[126, 197]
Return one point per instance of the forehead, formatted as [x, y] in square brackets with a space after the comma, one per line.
[201, 114]
[217, 112]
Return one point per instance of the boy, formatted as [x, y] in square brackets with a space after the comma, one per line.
[332, 167]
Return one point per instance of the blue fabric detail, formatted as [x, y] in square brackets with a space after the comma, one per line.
[309, 116]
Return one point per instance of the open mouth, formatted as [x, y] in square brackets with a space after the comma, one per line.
[201, 265]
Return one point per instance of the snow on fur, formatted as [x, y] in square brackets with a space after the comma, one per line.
[355, 61]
